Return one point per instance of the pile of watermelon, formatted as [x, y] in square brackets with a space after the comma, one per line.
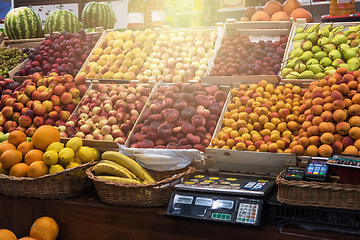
[24, 22]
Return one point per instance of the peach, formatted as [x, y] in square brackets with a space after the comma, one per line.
[273, 147]
[325, 150]
[164, 130]
[339, 115]
[354, 133]
[347, 141]
[343, 89]
[171, 114]
[354, 110]
[354, 121]
[304, 141]
[317, 120]
[317, 110]
[147, 143]
[314, 140]
[215, 108]
[342, 128]
[326, 116]
[312, 151]
[337, 146]
[335, 95]
[188, 128]
[313, 131]
[298, 150]
[327, 138]
[351, 150]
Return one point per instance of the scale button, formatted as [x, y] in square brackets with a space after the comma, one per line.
[213, 178]
[223, 216]
[322, 173]
[231, 179]
[298, 176]
[227, 216]
[213, 215]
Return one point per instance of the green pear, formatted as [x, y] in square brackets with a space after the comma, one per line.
[291, 64]
[297, 44]
[300, 36]
[354, 28]
[1, 136]
[320, 55]
[337, 62]
[323, 41]
[300, 30]
[353, 63]
[346, 33]
[330, 72]
[313, 28]
[326, 61]
[292, 75]
[336, 30]
[285, 71]
[312, 61]
[335, 54]
[316, 68]
[328, 47]
[339, 39]
[320, 75]
[308, 74]
[330, 26]
[316, 49]
[324, 32]
[343, 45]
[300, 67]
[313, 37]
[353, 43]
[345, 65]
[306, 45]
[297, 52]
[306, 56]
[329, 68]
[348, 53]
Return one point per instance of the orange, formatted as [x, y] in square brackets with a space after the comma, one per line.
[6, 146]
[25, 147]
[19, 170]
[10, 157]
[44, 228]
[27, 238]
[44, 136]
[33, 155]
[37, 169]
[16, 137]
[7, 235]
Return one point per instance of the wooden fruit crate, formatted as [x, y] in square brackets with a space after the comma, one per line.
[255, 31]
[245, 162]
[289, 48]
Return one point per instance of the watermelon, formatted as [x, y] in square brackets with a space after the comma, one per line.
[61, 20]
[22, 23]
[98, 14]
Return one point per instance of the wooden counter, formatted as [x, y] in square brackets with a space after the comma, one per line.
[86, 218]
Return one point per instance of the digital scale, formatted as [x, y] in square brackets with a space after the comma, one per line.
[233, 200]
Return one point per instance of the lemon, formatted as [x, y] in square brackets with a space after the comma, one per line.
[97, 154]
[54, 169]
[86, 154]
[77, 160]
[66, 155]
[50, 157]
[72, 165]
[55, 146]
[74, 143]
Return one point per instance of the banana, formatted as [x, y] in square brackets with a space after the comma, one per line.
[125, 161]
[119, 179]
[133, 176]
[128, 163]
[110, 169]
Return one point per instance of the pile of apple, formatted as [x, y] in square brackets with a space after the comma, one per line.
[107, 112]
[63, 53]
[38, 101]
[120, 56]
[330, 116]
[180, 116]
[239, 56]
[261, 117]
[179, 57]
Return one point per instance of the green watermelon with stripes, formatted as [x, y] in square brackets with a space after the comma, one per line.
[98, 14]
[22, 23]
[61, 20]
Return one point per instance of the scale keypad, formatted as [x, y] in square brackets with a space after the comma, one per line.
[247, 213]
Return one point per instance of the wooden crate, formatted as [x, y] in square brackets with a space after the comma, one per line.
[22, 43]
[245, 162]
[255, 31]
[102, 146]
[289, 48]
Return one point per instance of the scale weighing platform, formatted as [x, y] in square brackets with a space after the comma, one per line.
[233, 200]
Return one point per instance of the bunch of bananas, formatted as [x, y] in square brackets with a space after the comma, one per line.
[117, 167]
[58, 157]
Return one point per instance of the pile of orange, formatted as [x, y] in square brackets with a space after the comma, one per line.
[44, 228]
[20, 158]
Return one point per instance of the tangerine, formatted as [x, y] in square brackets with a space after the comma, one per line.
[19, 170]
[44, 136]
[37, 169]
[44, 228]
[25, 147]
[10, 157]
[7, 235]
[6, 146]
[33, 155]
[16, 137]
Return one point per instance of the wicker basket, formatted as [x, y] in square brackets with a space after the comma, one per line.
[45, 187]
[318, 194]
[144, 195]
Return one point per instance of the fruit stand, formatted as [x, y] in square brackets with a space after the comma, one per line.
[116, 132]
